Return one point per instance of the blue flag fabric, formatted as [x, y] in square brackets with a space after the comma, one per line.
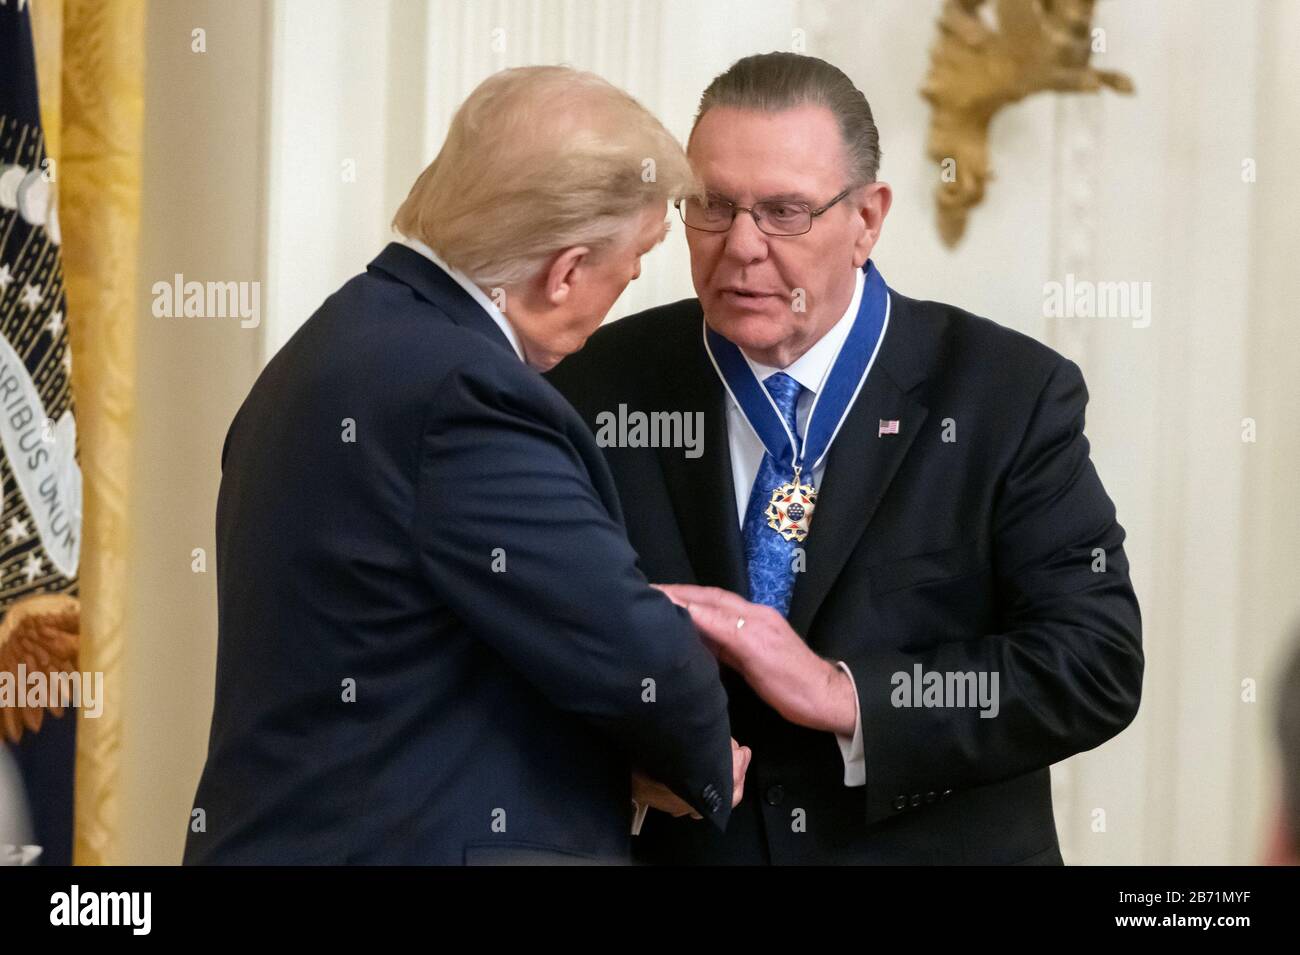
[40, 529]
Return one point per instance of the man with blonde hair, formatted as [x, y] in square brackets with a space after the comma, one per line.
[435, 644]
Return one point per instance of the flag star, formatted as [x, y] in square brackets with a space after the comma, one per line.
[32, 297]
[5, 277]
[34, 567]
[16, 531]
[55, 324]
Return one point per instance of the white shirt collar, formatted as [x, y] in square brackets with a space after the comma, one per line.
[461, 279]
[811, 368]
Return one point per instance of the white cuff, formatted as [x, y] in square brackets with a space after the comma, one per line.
[638, 817]
[855, 760]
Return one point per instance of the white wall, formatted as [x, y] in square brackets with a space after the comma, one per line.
[201, 216]
[1144, 188]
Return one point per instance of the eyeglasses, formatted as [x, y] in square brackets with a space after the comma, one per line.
[772, 216]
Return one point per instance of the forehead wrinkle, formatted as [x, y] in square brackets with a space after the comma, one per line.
[795, 183]
[753, 141]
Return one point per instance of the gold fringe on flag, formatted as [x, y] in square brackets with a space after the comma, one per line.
[94, 124]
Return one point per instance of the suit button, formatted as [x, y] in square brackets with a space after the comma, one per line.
[711, 797]
[900, 802]
[775, 795]
[931, 797]
[946, 794]
[916, 800]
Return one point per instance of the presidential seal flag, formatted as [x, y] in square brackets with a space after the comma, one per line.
[40, 529]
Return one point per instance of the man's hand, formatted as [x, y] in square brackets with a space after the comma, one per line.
[658, 796]
[757, 642]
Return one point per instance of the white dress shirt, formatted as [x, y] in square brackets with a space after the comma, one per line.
[811, 370]
[475, 292]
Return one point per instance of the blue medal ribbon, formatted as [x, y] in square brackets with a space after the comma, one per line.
[831, 406]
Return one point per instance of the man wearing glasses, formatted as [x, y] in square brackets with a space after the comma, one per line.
[893, 540]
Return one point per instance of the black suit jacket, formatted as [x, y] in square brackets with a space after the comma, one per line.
[434, 641]
[968, 555]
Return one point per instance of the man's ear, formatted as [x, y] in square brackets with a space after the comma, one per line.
[873, 207]
[561, 276]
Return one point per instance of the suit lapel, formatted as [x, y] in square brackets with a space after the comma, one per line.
[702, 489]
[861, 465]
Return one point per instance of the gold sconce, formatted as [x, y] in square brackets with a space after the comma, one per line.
[976, 69]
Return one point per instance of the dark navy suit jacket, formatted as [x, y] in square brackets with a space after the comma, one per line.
[435, 644]
[972, 541]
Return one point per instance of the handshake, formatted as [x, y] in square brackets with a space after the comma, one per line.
[759, 644]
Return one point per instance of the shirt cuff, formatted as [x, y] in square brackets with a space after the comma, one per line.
[638, 817]
[851, 749]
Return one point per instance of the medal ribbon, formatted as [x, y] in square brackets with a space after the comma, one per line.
[831, 406]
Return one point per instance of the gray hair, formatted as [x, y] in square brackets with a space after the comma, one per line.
[770, 82]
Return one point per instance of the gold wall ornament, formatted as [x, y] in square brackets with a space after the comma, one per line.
[976, 69]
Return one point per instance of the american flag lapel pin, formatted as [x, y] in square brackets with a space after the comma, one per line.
[887, 427]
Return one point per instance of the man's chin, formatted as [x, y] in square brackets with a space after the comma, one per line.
[544, 360]
[750, 332]
[544, 363]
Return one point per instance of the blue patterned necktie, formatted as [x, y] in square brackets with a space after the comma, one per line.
[769, 556]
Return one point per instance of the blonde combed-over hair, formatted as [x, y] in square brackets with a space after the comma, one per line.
[539, 159]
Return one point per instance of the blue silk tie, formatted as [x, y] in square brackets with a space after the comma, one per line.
[769, 556]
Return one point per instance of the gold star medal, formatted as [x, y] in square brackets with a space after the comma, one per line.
[790, 511]
[790, 507]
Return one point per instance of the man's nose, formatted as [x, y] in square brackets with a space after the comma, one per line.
[745, 241]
